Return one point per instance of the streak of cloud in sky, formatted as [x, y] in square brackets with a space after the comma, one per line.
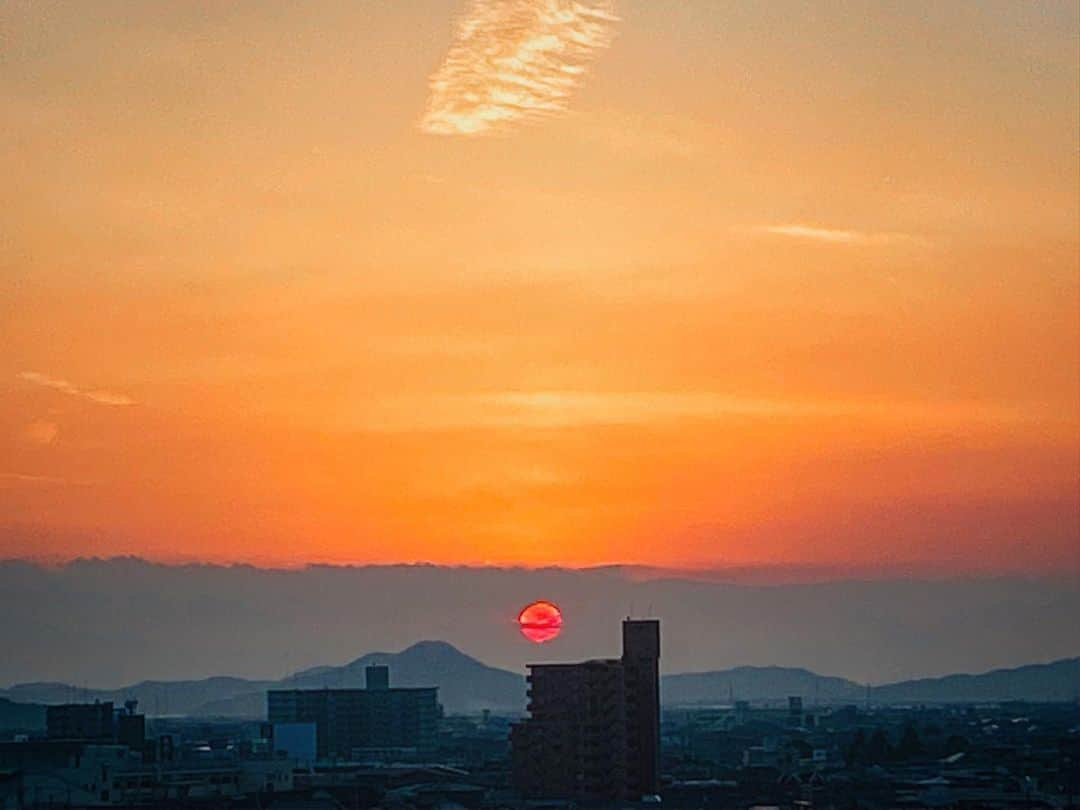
[568, 409]
[834, 235]
[514, 61]
[23, 478]
[65, 387]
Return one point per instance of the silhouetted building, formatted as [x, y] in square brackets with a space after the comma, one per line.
[795, 711]
[348, 720]
[377, 677]
[96, 722]
[593, 731]
[131, 730]
[80, 721]
[297, 741]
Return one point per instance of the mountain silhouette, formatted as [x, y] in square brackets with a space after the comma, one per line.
[467, 685]
[121, 621]
[756, 683]
[1058, 681]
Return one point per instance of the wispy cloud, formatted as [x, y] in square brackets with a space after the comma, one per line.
[65, 387]
[23, 478]
[835, 235]
[514, 61]
[571, 409]
[564, 408]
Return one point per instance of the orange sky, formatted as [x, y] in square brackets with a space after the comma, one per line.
[725, 284]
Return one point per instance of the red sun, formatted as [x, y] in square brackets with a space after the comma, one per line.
[540, 621]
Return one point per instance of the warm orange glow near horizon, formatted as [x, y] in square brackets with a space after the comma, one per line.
[686, 285]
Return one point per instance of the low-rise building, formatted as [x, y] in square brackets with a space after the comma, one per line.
[350, 722]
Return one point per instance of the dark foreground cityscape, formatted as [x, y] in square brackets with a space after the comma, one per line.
[594, 734]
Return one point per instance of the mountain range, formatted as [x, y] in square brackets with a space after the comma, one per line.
[467, 685]
[100, 622]
[1057, 681]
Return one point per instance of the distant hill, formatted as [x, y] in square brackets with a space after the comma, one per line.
[124, 620]
[1056, 681]
[755, 684]
[465, 685]
[155, 697]
[21, 716]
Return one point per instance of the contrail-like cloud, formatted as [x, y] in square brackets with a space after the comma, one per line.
[22, 478]
[65, 387]
[515, 61]
[840, 236]
[815, 233]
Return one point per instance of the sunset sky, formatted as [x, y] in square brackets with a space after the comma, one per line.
[674, 282]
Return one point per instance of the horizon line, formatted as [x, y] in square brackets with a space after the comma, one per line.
[797, 572]
[425, 641]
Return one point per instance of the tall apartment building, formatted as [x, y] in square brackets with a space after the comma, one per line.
[593, 731]
[346, 720]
